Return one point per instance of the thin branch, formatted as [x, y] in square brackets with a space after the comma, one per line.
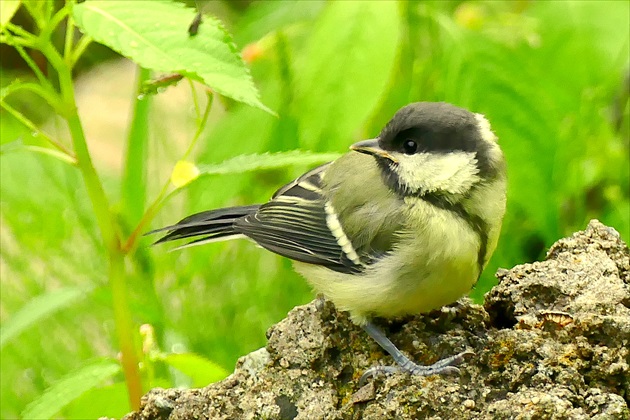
[195, 99]
[34, 13]
[152, 210]
[53, 23]
[43, 80]
[52, 152]
[201, 125]
[79, 49]
[18, 30]
[107, 224]
[149, 214]
[69, 41]
[34, 129]
[51, 98]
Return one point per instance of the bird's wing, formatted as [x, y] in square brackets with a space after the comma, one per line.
[300, 223]
[206, 226]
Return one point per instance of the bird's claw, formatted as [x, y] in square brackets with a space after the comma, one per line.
[446, 366]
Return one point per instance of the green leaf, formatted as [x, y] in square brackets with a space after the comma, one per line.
[265, 161]
[201, 370]
[263, 17]
[134, 181]
[19, 146]
[7, 10]
[156, 37]
[70, 387]
[345, 69]
[37, 309]
[110, 401]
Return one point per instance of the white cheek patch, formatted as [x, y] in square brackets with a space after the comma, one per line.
[453, 172]
[494, 152]
[484, 129]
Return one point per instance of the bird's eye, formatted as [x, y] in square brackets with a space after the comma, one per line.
[410, 147]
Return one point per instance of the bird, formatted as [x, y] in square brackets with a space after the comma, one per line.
[403, 223]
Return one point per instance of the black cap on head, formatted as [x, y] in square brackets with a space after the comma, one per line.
[436, 127]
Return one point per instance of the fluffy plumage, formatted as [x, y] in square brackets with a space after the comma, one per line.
[403, 223]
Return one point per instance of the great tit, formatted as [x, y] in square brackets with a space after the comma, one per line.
[402, 224]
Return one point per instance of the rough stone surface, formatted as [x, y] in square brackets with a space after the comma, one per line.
[551, 342]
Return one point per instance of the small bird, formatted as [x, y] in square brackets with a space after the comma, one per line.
[401, 224]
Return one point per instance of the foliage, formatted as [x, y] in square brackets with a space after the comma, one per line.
[78, 278]
[152, 37]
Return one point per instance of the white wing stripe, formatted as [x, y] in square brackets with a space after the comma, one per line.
[335, 228]
[308, 186]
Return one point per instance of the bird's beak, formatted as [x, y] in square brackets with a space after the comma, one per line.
[371, 147]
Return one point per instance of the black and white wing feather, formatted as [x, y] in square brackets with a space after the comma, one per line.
[207, 226]
[298, 223]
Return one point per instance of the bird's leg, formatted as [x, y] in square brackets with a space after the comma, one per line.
[441, 367]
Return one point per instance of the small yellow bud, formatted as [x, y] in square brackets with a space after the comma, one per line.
[183, 173]
[252, 52]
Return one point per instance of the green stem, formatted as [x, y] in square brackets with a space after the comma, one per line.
[69, 40]
[51, 24]
[150, 213]
[18, 30]
[31, 11]
[124, 329]
[52, 152]
[19, 44]
[132, 241]
[80, 48]
[69, 112]
[201, 123]
[50, 96]
[107, 224]
[34, 129]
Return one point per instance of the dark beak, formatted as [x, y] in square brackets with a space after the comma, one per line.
[371, 147]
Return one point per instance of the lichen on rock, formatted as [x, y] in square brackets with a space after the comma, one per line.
[551, 341]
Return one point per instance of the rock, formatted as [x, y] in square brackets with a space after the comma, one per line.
[551, 341]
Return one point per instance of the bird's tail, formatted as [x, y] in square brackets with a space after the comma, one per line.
[207, 226]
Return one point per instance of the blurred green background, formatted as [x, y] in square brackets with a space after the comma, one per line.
[551, 77]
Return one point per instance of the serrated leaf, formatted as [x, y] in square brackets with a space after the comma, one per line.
[37, 309]
[201, 370]
[345, 69]
[7, 10]
[156, 37]
[256, 162]
[69, 388]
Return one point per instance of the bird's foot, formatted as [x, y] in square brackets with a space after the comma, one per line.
[446, 366]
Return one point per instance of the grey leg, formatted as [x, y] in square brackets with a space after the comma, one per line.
[441, 367]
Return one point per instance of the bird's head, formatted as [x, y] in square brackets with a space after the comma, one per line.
[435, 148]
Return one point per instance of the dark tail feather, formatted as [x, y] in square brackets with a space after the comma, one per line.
[207, 225]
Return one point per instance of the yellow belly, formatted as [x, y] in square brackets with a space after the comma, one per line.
[431, 266]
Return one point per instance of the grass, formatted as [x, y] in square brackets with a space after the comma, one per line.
[550, 76]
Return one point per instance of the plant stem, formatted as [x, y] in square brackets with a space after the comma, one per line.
[201, 121]
[149, 214]
[29, 41]
[34, 129]
[124, 329]
[80, 48]
[107, 224]
[131, 242]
